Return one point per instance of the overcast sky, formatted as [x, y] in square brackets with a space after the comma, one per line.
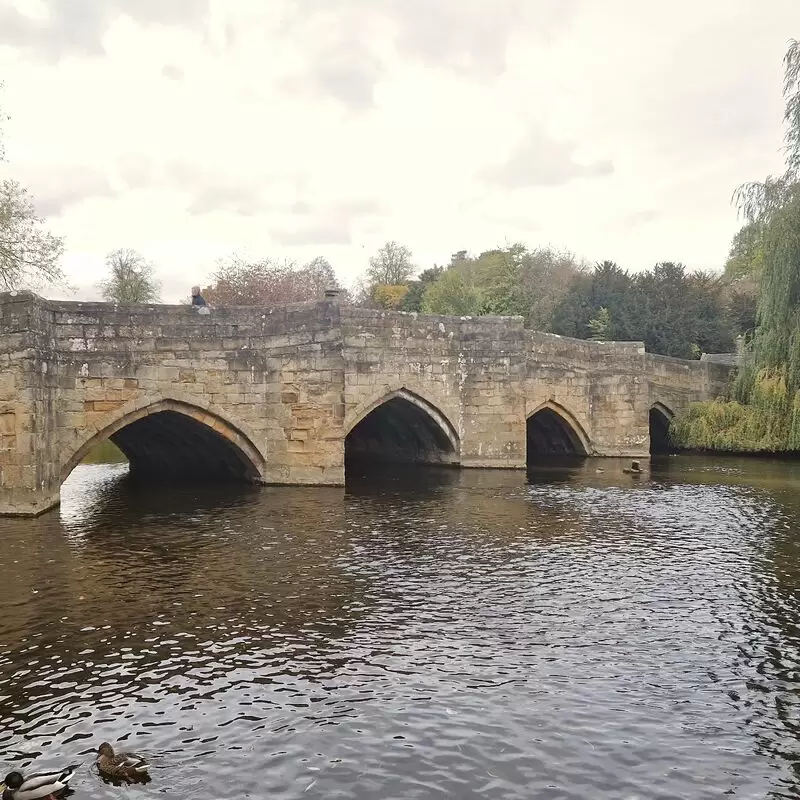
[192, 129]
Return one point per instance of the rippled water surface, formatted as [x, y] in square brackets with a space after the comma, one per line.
[432, 634]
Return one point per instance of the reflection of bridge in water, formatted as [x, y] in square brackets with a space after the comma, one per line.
[288, 395]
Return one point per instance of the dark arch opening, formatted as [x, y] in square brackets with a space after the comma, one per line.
[400, 431]
[167, 446]
[660, 442]
[549, 434]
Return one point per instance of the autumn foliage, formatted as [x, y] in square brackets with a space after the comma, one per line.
[238, 282]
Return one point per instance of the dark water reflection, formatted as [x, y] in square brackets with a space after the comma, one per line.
[429, 634]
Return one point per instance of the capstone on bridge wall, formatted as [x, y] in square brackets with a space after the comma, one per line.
[286, 384]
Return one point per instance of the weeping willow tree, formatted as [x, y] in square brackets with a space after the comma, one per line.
[763, 411]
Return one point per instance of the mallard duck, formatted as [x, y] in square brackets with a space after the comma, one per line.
[125, 766]
[38, 785]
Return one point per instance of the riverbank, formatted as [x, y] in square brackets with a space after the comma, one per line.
[769, 423]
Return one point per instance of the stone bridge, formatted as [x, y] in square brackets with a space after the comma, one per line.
[292, 394]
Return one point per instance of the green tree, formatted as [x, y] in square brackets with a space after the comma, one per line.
[416, 289]
[680, 314]
[607, 286]
[485, 284]
[454, 293]
[130, 280]
[742, 277]
[510, 280]
[601, 325]
[545, 277]
[709, 320]
[741, 302]
[661, 321]
[495, 277]
[673, 312]
[746, 256]
[29, 254]
[774, 207]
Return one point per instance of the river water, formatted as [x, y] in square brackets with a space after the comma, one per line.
[427, 634]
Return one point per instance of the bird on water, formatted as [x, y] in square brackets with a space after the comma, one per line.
[121, 766]
[39, 785]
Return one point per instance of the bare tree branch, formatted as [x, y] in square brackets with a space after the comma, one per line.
[29, 254]
[391, 265]
[131, 279]
[268, 282]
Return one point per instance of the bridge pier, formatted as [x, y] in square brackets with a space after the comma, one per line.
[27, 503]
[284, 395]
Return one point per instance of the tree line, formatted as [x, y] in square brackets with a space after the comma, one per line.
[675, 312]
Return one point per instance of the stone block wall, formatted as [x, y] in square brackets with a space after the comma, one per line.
[597, 386]
[675, 383]
[27, 405]
[469, 369]
[283, 387]
[608, 388]
[266, 379]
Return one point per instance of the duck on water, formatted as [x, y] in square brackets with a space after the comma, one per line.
[39, 785]
[127, 767]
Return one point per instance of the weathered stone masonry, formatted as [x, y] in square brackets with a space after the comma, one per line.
[271, 394]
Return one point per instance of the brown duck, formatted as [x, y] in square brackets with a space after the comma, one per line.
[121, 766]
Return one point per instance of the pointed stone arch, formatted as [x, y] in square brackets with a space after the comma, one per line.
[404, 393]
[659, 420]
[163, 436]
[401, 426]
[663, 408]
[552, 429]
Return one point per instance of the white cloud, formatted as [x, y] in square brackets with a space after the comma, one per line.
[279, 129]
